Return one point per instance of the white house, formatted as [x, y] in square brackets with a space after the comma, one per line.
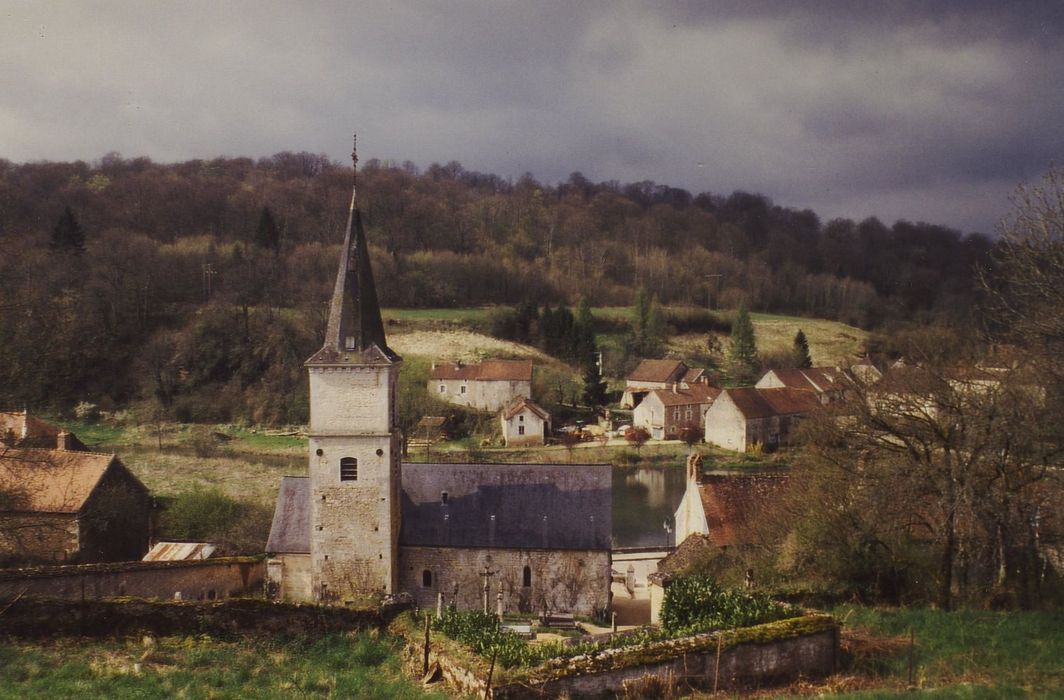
[524, 423]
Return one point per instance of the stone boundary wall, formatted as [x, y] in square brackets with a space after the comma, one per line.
[119, 617]
[762, 656]
[204, 579]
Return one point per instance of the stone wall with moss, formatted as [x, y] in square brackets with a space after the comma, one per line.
[205, 579]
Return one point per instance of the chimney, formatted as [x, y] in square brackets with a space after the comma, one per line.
[62, 441]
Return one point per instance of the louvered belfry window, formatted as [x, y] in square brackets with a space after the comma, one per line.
[348, 469]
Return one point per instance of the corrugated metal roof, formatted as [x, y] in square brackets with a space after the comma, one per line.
[179, 551]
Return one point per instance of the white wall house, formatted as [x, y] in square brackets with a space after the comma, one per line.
[488, 386]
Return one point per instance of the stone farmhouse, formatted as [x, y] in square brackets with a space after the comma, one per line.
[659, 374]
[524, 423]
[362, 524]
[63, 506]
[739, 418]
[488, 386]
[666, 412]
[19, 429]
[828, 383]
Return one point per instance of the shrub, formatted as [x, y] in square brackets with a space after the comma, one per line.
[209, 515]
[697, 603]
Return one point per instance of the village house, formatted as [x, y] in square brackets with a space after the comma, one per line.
[828, 383]
[718, 510]
[666, 412]
[19, 429]
[659, 374]
[63, 506]
[524, 423]
[487, 386]
[363, 525]
[741, 418]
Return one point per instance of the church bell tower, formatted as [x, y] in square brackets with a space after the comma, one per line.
[354, 437]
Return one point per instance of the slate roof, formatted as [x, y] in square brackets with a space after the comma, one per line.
[658, 371]
[290, 530]
[488, 370]
[52, 481]
[732, 501]
[535, 506]
[354, 311]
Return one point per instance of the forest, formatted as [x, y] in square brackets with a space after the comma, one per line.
[126, 279]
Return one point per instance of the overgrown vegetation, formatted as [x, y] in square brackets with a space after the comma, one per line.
[362, 666]
[698, 603]
[209, 515]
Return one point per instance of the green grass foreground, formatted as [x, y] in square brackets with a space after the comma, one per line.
[334, 666]
[967, 653]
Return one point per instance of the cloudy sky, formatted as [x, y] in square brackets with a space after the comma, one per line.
[929, 111]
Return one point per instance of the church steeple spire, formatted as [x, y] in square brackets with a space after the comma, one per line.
[355, 331]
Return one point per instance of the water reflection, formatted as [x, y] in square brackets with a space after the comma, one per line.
[643, 498]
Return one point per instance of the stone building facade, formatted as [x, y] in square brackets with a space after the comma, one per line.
[488, 386]
[70, 506]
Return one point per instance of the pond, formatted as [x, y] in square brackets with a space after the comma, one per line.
[643, 499]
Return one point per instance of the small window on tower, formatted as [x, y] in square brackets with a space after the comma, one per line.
[426, 578]
[348, 469]
[526, 577]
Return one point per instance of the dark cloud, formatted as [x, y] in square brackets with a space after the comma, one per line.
[905, 109]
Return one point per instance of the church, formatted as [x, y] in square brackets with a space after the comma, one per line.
[362, 524]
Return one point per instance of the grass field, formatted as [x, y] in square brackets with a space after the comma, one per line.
[334, 666]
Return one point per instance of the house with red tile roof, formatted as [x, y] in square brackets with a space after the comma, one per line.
[666, 412]
[743, 417]
[524, 423]
[828, 383]
[70, 506]
[487, 386]
[20, 429]
[659, 374]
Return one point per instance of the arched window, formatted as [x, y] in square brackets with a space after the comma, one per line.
[426, 579]
[348, 469]
[526, 577]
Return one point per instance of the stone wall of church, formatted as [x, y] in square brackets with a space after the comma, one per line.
[531, 580]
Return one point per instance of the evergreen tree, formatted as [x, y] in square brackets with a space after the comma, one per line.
[582, 346]
[68, 234]
[594, 393]
[647, 337]
[802, 358]
[742, 349]
[267, 235]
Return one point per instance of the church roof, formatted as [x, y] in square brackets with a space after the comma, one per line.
[290, 531]
[355, 331]
[516, 506]
[535, 506]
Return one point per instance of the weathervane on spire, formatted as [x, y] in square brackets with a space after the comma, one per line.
[354, 160]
